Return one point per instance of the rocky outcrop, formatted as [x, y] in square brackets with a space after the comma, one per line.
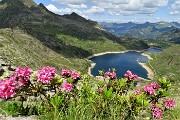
[5, 69]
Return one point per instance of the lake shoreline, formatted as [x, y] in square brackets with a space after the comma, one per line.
[148, 69]
[115, 52]
[144, 65]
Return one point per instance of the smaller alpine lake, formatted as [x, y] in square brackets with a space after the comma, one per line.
[123, 62]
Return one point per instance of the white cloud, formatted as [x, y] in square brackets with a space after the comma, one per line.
[77, 6]
[133, 6]
[52, 8]
[62, 11]
[175, 8]
[94, 10]
[120, 7]
[84, 13]
[154, 3]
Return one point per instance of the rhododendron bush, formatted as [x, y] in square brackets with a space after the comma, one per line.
[61, 92]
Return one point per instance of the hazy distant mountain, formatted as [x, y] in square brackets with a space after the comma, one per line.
[118, 28]
[144, 30]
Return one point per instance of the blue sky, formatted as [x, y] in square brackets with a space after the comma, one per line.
[118, 10]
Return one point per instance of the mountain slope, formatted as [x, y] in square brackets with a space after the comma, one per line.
[19, 48]
[63, 41]
[167, 63]
[172, 36]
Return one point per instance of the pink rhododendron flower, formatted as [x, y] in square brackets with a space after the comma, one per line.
[65, 72]
[155, 85]
[67, 87]
[46, 74]
[149, 89]
[8, 88]
[130, 76]
[108, 73]
[168, 103]
[75, 75]
[153, 106]
[135, 77]
[21, 72]
[100, 89]
[112, 75]
[157, 112]
[23, 75]
[137, 92]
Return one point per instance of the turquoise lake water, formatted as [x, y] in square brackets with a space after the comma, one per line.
[122, 62]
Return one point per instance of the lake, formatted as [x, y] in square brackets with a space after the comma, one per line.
[122, 62]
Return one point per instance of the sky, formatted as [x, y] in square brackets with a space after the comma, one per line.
[119, 11]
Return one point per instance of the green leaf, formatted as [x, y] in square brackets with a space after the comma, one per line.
[122, 82]
[60, 80]
[70, 80]
[145, 103]
[164, 83]
[101, 72]
[141, 100]
[163, 92]
[56, 101]
[108, 93]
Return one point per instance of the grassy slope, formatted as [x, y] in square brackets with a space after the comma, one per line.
[22, 49]
[95, 46]
[167, 64]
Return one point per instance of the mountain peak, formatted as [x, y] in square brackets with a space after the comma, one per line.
[74, 16]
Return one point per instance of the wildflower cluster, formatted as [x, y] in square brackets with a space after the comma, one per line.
[112, 75]
[65, 72]
[23, 76]
[153, 92]
[130, 76]
[46, 74]
[111, 80]
[68, 74]
[157, 112]
[75, 75]
[149, 89]
[8, 88]
[67, 87]
[168, 103]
